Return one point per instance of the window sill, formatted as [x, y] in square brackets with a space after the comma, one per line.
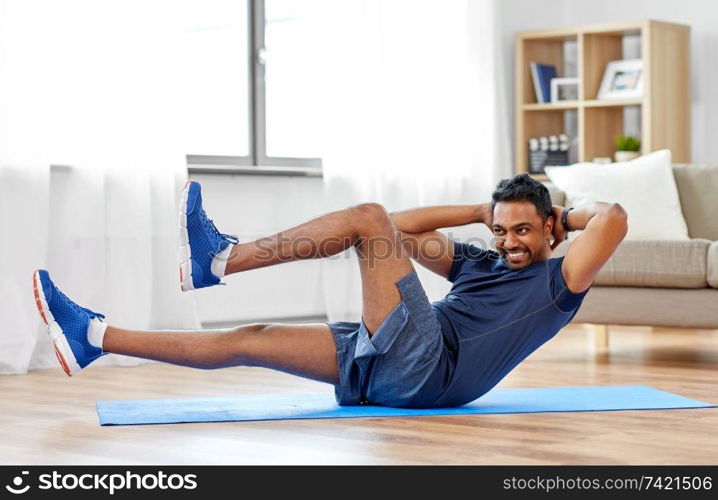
[249, 170]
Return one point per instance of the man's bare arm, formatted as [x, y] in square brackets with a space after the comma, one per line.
[420, 220]
[432, 249]
[604, 226]
[429, 247]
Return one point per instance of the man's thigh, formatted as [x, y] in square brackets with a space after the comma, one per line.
[383, 261]
[307, 350]
[400, 362]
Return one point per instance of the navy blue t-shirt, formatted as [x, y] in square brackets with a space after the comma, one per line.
[494, 317]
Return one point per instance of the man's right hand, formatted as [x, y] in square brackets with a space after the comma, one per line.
[485, 214]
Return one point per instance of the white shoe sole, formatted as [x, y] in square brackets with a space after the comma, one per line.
[185, 267]
[62, 349]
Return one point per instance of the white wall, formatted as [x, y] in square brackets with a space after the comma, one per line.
[700, 15]
[520, 15]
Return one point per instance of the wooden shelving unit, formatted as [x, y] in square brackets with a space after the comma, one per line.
[664, 107]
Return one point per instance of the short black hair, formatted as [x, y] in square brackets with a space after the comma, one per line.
[523, 188]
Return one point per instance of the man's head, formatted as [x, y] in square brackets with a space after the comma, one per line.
[522, 221]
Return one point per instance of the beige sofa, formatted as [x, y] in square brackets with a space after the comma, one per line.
[661, 283]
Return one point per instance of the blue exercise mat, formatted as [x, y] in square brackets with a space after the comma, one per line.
[281, 407]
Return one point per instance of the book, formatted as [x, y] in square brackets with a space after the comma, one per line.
[542, 75]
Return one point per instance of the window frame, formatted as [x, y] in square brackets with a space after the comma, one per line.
[257, 162]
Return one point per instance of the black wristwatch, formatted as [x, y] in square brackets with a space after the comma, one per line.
[564, 219]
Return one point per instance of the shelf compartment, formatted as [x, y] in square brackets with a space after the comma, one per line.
[540, 123]
[598, 50]
[601, 125]
[543, 51]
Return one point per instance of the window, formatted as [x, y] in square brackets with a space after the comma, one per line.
[215, 46]
[253, 65]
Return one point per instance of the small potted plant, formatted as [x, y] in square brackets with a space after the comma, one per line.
[627, 148]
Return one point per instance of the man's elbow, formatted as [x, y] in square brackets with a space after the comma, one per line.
[618, 216]
[616, 210]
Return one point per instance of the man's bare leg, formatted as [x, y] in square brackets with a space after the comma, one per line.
[306, 350]
[383, 260]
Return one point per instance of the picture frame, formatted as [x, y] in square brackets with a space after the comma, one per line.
[564, 89]
[622, 79]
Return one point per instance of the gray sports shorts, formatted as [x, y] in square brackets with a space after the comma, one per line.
[402, 364]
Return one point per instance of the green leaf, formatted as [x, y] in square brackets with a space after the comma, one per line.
[627, 143]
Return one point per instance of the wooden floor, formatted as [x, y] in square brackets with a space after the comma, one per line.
[47, 418]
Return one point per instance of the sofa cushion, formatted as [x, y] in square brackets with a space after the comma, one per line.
[713, 265]
[697, 190]
[645, 187]
[659, 264]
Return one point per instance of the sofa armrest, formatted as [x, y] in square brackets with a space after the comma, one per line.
[713, 265]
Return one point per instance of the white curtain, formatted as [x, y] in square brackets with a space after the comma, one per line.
[93, 89]
[416, 116]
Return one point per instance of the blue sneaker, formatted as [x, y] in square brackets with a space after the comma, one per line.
[200, 241]
[68, 324]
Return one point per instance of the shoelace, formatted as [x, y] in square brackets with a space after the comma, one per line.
[208, 224]
[78, 308]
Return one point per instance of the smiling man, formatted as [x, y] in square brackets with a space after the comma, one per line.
[405, 351]
[505, 304]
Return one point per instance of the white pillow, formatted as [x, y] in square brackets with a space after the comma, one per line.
[645, 187]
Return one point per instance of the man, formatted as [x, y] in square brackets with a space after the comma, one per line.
[405, 351]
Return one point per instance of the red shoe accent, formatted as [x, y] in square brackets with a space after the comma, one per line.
[62, 361]
[38, 302]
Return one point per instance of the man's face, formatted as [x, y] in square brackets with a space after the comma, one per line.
[522, 238]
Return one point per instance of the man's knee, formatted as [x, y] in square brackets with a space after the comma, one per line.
[245, 342]
[373, 215]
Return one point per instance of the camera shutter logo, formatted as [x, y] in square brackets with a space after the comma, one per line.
[16, 487]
